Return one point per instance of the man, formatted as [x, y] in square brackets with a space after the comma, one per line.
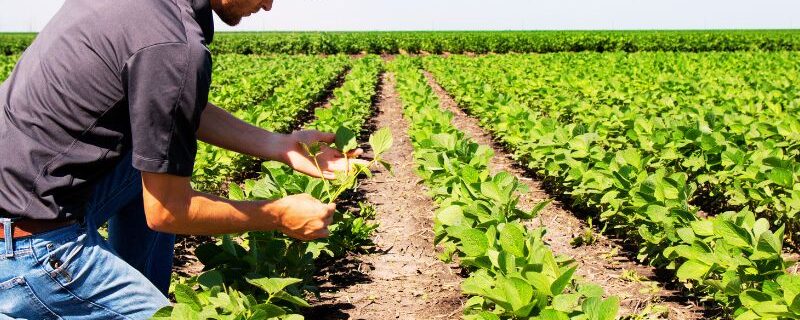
[99, 124]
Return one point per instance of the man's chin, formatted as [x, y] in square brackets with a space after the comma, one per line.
[231, 21]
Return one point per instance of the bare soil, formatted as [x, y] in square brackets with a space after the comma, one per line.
[603, 262]
[184, 262]
[403, 279]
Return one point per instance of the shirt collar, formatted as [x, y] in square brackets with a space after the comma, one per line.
[204, 17]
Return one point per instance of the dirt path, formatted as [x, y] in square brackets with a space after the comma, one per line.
[404, 279]
[601, 262]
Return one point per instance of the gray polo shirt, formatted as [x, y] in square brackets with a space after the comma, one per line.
[104, 78]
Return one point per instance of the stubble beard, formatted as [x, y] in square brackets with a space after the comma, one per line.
[229, 17]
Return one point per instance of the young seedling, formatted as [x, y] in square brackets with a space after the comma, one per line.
[346, 142]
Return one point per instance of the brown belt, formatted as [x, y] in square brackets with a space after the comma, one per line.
[28, 227]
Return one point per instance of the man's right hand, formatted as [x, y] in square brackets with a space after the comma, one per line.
[301, 216]
[172, 206]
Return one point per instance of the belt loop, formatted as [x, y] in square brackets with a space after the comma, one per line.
[9, 236]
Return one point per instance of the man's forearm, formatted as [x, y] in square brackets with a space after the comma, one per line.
[220, 128]
[204, 214]
[171, 205]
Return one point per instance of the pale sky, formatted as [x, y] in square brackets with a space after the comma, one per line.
[32, 15]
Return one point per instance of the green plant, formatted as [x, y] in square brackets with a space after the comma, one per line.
[623, 135]
[513, 275]
[346, 142]
[587, 237]
[264, 274]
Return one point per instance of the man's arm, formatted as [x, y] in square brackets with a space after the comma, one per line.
[222, 129]
[171, 205]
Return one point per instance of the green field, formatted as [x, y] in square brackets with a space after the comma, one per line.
[682, 145]
[482, 41]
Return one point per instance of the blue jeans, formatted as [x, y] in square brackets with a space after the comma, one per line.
[73, 273]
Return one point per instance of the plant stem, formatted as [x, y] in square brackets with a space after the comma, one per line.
[324, 181]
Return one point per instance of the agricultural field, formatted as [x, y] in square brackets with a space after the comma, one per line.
[6, 65]
[564, 175]
[482, 41]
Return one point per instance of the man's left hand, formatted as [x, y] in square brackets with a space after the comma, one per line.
[330, 160]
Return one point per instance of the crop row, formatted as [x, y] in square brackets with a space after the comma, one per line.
[271, 98]
[6, 65]
[625, 174]
[482, 41]
[265, 275]
[513, 272]
[504, 42]
[725, 119]
[14, 43]
[229, 69]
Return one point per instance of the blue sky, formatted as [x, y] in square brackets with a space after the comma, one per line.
[32, 15]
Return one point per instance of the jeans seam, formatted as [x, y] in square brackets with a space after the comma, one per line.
[114, 195]
[17, 254]
[94, 303]
[36, 296]
[150, 251]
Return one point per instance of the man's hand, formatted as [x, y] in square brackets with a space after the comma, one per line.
[172, 206]
[302, 217]
[330, 160]
[222, 129]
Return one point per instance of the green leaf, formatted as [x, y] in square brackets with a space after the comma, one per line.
[703, 228]
[732, 233]
[473, 242]
[794, 307]
[767, 242]
[553, 315]
[512, 239]
[566, 302]
[781, 176]
[517, 292]
[235, 192]
[748, 315]
[163, 313]
[185, 295]
[591, 290]
[770, 309]
[478, 283]
[538, 208]
[790, 284]
[295, 300]
[686, 235]
[492, 191]
[182, 311]
[345, 139]
[387, 166]
[273, 285]
[210, 279]
[486, 315]
[270, 310]
[561, 283]
[596, 308]
[451, 216]
[750, 298]
[381, 141]
[692, 270]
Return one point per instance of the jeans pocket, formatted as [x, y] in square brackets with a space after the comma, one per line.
[63, 258]
[18, 301]
[86, 271]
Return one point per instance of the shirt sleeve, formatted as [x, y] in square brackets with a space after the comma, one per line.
[167, 89]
